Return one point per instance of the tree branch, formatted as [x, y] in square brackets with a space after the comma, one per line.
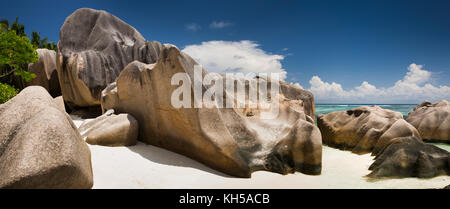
[8, 73]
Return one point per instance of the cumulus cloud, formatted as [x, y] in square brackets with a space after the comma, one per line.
[219, 24]
[413, 88]
[192, 27]
[298, 85]
[235, 57]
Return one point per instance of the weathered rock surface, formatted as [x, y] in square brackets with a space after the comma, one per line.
[400, 128]
[94, 47]
[410, 157]
[40, 146]
[432, 120]
[236, 141]
[363, 129]
[45, 70]
[399, 150]
[111, 130]
[59, 101]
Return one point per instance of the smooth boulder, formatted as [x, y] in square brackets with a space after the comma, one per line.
[363, 129]
[60, 102]
[432, 120]
[236, 141]
[40, 146]
[94, 47]
[45, 71]
[410, 157]
[111, 130]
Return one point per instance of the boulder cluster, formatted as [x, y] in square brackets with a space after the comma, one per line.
[397, 143]
[104, 63]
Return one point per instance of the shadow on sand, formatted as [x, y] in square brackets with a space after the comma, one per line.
[166, 157]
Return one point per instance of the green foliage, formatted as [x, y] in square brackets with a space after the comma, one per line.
[19, 28]
[26, 76]
[4, 24]
[41, 43]
[35, 39]
[7, 92]
[16, 52]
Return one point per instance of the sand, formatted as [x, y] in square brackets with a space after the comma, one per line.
[149, 167]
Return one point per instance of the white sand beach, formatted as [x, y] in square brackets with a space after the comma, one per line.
[149, 167]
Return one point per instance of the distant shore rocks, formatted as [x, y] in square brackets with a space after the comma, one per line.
[411, 157]
[432, 120]
[111, 130]
[363, 129]
[45, 70]
[40, 146]
[232, 140]
[94, 47]
[397, 145]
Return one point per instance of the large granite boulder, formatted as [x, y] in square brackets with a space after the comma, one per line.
[45, 70]
[111, 130]
[432, 120]
[236, 141]
[40, 146]
[363, 129]
[410, 157]
[94, 47]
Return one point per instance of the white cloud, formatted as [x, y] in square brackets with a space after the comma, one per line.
[298, 85]
[219, 24]
[416, 75]
[235, 57]
[192, 27]
[413, 88]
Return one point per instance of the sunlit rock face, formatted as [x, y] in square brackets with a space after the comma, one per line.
[432, 120]
[94, 47]
[111, 129]
[236, 141]
[363, 129]
[45, 71]
[397, 145]
[40, 147]
[102, 60]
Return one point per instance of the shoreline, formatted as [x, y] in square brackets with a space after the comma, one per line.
[148, 167]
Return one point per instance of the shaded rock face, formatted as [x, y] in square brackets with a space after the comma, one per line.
[236, 141]
[111, 130]
[363, 129]
[432, 120]
[94, 47]
[410, 157]
[40, 146]
[45, 70]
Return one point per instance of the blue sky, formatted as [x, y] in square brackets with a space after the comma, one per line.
[345, 42]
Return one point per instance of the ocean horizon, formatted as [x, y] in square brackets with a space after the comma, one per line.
[327, 108]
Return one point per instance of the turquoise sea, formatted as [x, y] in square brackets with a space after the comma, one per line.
[327, 108]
